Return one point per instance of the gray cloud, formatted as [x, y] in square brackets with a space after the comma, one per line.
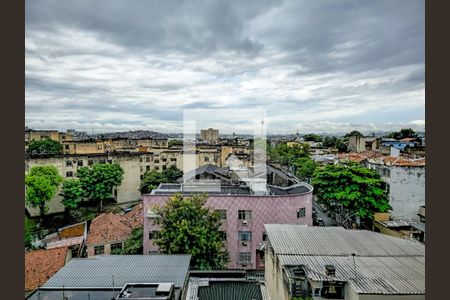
[113, 64]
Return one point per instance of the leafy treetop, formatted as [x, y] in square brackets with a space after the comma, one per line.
[45, 146]
[187, 227]
[98, 181]
[153, 178]
[72, 193]
[352, 187]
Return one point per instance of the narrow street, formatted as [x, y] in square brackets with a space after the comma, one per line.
[322, 214]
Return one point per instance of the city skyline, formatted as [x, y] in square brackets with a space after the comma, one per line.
[326, 67]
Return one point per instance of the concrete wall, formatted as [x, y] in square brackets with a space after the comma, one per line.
[274, 278]
[406, 191]
[91, 251]
[265, 210]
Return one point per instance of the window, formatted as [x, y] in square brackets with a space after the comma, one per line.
[99, 250]
[69, 174]
[67, 147]
[245, 236]
[102, 161]
[99, 147]
[115, 248]
[264, 236]
[164, 159]
[164, 167]
[244, 214]
[147, 159]
[115, 192]
[156, 161]
[90, 162]
[147, 168]
[156, 168]
[173, 159]
[110, 161]
[206, 158]
[80, 163]
[142, 176]
[245, 258]
[68, 163]
[222, 213]
[301, 212]
[153, 234]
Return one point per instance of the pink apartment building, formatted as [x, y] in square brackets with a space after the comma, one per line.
[244, 216]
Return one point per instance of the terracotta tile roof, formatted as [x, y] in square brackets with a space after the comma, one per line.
[40, 265]
[407, 139]
[135, 217]
[383, 159]
[107, 228]
[404, 162]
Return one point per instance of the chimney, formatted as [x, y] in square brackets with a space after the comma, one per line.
[330, 270]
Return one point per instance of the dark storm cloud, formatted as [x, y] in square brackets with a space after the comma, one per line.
[311, 64]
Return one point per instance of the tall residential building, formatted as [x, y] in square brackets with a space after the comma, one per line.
[211, 135]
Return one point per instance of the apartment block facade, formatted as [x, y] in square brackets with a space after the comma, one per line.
[244, 216]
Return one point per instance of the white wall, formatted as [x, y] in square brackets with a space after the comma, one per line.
[407, 191]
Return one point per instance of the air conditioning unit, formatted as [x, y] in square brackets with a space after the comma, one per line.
[244, 244]
[245, 222]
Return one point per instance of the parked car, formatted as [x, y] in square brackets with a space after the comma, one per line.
[320, 222]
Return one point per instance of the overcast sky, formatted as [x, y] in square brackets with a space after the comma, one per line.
[315, 66]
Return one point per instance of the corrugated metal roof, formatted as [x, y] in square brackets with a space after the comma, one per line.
[384, 264]
[336, 241]
[374, 275]
[102, 271]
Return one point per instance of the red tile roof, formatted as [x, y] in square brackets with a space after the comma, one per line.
[387, 160]
[40, 265]
[108, 227]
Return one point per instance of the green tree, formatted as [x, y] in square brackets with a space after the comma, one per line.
[175, 143]
[187, 227]
[134, 243]
[153, 178]
[39, 190]
[41, 185]
[289, 154]
[354, 133]
[172, 174]
[45, 146]
[403, 133]
[311, 137]
[304, 167]
[50, 172]
[350, 189]
[151, 181]
[329, 141]
[72, 193]
[98, 181]
[341, 145]
[30, 228]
